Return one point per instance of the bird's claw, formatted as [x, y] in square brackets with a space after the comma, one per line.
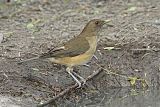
[79, 85]
[84, 81]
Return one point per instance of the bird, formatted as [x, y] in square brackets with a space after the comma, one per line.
[77, 51]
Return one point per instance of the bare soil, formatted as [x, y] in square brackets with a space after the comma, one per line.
[31, 27]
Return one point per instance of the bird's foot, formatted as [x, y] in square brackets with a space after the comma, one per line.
[81, 78]
[83, 82]
[74, 76]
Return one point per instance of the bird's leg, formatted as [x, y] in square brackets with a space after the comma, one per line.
[94, 56]
[69, 70]
[84, 81]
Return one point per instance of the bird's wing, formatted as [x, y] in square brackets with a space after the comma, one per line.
[74, 47]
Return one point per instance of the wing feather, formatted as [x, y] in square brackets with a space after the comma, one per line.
[74, 47]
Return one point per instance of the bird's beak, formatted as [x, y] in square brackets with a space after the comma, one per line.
[108, 23]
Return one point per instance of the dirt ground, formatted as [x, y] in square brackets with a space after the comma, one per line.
[129, 48]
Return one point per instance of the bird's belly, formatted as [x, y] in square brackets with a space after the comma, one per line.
[72, 61]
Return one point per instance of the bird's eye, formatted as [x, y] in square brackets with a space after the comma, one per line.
[96, 22]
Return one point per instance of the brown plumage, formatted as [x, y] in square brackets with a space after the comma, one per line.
[76, 51]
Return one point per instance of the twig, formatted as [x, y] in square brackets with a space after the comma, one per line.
[136, 49]
[110, 72]
[133, 79]
[68, 89]
[145, 49]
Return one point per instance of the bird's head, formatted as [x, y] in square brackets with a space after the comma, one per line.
[95, 25]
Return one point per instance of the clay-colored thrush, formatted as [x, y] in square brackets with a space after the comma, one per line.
[77, 51]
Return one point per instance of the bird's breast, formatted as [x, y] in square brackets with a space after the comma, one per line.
[92, 44]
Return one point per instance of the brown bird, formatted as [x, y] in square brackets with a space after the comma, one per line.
[77, 51]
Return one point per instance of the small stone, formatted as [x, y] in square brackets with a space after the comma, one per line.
[1, 37]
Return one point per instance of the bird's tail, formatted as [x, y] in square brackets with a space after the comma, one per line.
[34, 58]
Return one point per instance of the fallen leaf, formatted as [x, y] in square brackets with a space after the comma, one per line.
[30, 26]
[33, 25]
[132, 8]
[132, 80]
[108, 48]
[35, 69]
